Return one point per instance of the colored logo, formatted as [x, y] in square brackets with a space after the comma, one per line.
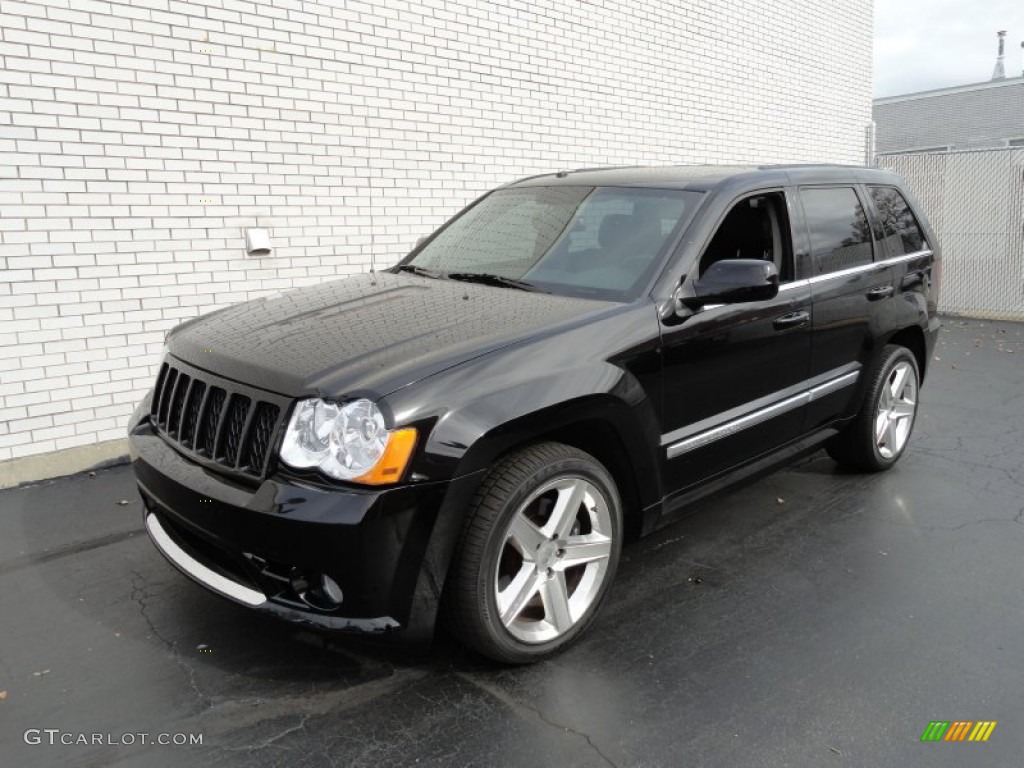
[958, 730]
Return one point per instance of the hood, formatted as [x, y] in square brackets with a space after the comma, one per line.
[367, 334]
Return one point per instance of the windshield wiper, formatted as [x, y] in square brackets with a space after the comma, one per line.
[487, 278]
[416, 270]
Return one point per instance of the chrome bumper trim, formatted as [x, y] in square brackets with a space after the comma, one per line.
[192, 567]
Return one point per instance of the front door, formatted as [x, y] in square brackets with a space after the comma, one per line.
[734, 375]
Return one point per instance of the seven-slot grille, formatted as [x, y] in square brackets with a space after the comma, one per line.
[213, 422]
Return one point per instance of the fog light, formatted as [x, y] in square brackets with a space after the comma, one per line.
[331, 589]
[317, 590]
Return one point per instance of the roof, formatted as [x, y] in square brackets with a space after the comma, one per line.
[704, 177]
[950, 90]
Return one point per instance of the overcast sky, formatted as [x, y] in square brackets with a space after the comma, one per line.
[923, 44]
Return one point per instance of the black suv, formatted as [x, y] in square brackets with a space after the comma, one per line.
[471, 433]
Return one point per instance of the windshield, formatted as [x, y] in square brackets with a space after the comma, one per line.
[600, 242]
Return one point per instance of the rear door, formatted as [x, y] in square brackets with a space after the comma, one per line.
[852, 290]
[902, 241]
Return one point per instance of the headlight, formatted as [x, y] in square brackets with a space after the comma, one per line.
[347, 442]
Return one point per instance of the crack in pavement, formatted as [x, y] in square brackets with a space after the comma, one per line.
[238, 718]
[505, 698]
[301, 726]
[140, 595]
[1017, 519]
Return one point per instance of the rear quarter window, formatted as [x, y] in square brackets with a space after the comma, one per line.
[838, 229]
[901, 232]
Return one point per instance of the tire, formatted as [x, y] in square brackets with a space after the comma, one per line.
[879, 433]
[538, 552]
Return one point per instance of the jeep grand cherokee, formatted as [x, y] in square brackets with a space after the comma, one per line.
[471, 433]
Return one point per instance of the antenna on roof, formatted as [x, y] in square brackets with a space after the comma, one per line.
[999, 73]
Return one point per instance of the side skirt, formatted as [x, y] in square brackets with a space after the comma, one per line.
[673, 508]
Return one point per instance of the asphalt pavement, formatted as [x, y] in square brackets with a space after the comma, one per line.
[812, 618]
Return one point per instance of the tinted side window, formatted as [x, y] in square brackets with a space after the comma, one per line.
[900, 230]
[756, 228]
[839, 231]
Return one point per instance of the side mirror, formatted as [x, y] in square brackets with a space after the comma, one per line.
[421, 241]
[735, 280]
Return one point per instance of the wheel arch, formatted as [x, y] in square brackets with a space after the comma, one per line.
[912, 337]
[603, 426]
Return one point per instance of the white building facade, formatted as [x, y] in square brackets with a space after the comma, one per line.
[139, 140]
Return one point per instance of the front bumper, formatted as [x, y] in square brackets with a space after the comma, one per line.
[255, 544]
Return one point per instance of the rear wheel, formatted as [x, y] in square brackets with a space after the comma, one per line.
[879, 434]
[537, 555]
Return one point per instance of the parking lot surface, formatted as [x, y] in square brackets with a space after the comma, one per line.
[811, 618]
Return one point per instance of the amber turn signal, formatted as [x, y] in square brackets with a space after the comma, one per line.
[392, 464]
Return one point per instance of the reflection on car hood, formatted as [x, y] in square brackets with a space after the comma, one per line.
[372, 333]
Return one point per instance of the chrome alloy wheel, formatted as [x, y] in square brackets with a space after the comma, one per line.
[554, 559]
[896, 408]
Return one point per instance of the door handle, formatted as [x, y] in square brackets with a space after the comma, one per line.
[912, 279]
[790, 321]
[880, 292]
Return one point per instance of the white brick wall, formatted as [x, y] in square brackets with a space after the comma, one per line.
[139, 139]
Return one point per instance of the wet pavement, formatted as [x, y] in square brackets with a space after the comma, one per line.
[811, 618]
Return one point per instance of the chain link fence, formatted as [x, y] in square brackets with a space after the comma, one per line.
[975, 201]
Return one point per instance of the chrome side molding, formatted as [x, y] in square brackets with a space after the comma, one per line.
[735, 420]
[853, 270]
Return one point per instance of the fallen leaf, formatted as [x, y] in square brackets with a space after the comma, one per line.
[92, 474]
[3, 695]
[833, 749]
[780, 500]
[123, 503]
[43, 672]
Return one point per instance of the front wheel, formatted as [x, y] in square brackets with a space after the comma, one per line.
[537, 555]
[878, 435]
